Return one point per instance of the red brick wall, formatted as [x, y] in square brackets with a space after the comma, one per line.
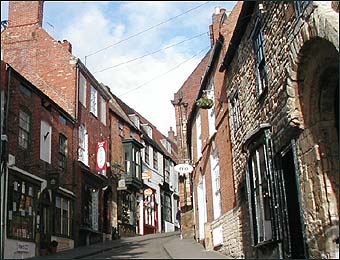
[32, 10]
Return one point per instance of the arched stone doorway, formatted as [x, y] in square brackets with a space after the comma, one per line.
[318, 87]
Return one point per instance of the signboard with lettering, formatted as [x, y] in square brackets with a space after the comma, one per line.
[22, 247]
[101, 149]
[146, 175]
[184, 168]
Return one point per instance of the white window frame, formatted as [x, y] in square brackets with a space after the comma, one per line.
[82, 89]
[199, 135]
[216, 183]
[94, 101]
[102, 110]
[211, 111]
[83, 145]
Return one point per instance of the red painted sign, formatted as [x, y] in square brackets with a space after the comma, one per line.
[101, 151]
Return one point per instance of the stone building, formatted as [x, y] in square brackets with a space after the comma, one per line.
[276, 100]
[283, 94]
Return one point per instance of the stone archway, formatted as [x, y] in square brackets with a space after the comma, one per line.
[318, 87]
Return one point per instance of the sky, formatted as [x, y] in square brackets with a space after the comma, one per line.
[143, 50]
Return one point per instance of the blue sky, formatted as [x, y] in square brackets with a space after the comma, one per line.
[91, 26]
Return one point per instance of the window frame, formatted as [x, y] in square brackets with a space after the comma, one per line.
[102, 103]
[62, 152]
[27, 132]
[236, 111]
[82, 89]
[254, 173]
[260, 59]
[147, 153]
[94, 101]
[14, 194]
[69, 219]
[155, 159]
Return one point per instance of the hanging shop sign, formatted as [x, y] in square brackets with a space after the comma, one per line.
[146, 175]
[101, 150]
[184, 168]
[147, 192]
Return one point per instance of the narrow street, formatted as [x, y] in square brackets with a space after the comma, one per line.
[161, 246]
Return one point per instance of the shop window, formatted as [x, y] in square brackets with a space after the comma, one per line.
[90, 206]
[150, 210]
[261, 72]
[63, 216]
[22, 198]
[24, 129]
[62, 152]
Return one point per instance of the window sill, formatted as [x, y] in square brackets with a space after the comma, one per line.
[265, 243]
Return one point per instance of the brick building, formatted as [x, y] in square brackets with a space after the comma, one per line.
[50, 66]
[276, 98]
[39, 145]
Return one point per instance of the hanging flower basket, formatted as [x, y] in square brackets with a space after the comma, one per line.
[205, 103]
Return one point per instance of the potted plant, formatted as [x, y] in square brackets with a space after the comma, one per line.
[205, 103]
[53, 246]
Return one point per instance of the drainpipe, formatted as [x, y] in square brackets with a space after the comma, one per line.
[4, 159]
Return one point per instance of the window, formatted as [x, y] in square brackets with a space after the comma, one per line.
[211, 111]
[21, 208]
[102, 110]
[24, 90]
[24, 129]
[259, 195]
[90, 206]
[236, 112]
[121, 129]
[45, 141]
[199, 135]
[83, 145]
[132, 157]
[150, 210]
[63, 216]
[146, 151]
[215, 182]
[167, 212]
[155, 159]
[300, 6]
[260, 59]
[62, 152]
[94, 101]
[82, 89]
[166, 170]
[62, 120]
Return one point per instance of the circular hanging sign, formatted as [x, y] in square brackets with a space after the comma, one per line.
[184, 168]
[147, 192]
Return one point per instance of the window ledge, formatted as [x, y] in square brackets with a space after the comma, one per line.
[265, 243]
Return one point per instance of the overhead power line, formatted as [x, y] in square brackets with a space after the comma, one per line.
[148, 29]
[178, 65]
[151, 53]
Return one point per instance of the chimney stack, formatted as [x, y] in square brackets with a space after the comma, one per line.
[171, 135]
[216, 24]
[25, 13]
[67, 45]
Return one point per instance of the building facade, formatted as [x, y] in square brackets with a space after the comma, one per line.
[276, 98]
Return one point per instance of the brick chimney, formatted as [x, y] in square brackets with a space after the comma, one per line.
[25, 13]
[171, 135]
[216, 24]
[67, 45]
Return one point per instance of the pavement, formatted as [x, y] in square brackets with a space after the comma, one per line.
[175, 247]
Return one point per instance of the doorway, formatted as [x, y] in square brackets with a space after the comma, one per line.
[295, 239]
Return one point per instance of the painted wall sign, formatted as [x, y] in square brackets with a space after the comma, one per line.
[22, 247]
[101, 149]
[184, 168]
